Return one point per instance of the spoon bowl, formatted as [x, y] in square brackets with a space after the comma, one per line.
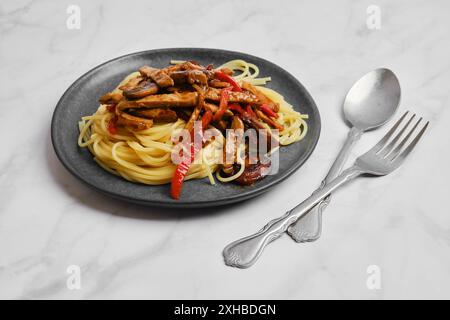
[372, 100]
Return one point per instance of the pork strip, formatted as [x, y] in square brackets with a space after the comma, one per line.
[213, 94]
[186, 99]
[161, 78]
[190, 99]
[197, 109]
[158, 115]
[218, 84]
[125, 119]
[189, 76]
[183, 99]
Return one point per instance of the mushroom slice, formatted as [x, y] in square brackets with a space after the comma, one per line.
[253, 173]
[143, 89]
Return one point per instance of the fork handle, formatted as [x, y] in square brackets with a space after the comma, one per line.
[244, 252]
[309, 227]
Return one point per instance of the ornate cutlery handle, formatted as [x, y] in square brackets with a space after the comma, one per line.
[309, 227]
[244, 252]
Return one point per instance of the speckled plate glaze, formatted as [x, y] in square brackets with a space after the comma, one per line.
[82, 99]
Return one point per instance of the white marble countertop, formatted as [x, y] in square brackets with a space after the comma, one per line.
[50, 221]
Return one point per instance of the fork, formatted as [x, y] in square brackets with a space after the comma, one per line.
[386, 156]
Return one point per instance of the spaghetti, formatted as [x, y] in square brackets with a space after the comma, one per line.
[145, 155]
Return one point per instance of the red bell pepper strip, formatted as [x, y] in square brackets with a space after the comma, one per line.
[178, 178]
[206, 119]
[248, 112]
[183, 168]
[224, 77]
[269, 112]
[181, 172]
[236, 107]
[223, 106]
[112, 125]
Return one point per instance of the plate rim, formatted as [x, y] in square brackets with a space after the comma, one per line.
[180, 204]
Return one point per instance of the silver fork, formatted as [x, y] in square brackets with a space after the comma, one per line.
[386, 156]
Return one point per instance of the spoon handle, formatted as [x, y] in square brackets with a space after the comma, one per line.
[309, 227]
[244, 252]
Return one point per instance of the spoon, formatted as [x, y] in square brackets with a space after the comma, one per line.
[370, 103]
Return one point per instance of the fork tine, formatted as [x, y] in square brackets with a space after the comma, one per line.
[413, 143]
[385, 151]
[397, 150]
[386, 137]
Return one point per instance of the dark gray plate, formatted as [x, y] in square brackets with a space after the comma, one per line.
[82, 99]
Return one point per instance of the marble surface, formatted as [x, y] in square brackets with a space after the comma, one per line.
[50, 221]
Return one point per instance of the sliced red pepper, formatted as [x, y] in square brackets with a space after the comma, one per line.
[224, 77]
[178, 178]
[183, 167]
[269, 112]
[248, 112]
[236, 107]
[223, 106]
[112, 125]
[206, 119]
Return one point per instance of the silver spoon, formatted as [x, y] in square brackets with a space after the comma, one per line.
[370, 103]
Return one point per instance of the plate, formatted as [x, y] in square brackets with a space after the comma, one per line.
[81, 99]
